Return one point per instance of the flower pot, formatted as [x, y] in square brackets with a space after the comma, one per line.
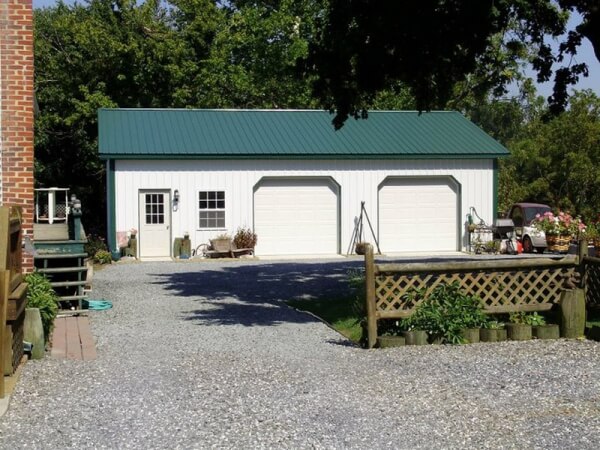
[518, 331]
[550, 331]
[470, 335]
[416, 337]
[361, 248]
[558, 244]
[390, 341]
[492, 334]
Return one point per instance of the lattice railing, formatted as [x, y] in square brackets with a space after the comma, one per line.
[592, 281]
[532, 284]
[535, 287]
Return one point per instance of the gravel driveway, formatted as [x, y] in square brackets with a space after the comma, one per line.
[204, 354]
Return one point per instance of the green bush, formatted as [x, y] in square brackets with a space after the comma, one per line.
[41, 295]
[94, 244]
[102, 257]
[245, 238]
[533, 319]
[445, 312]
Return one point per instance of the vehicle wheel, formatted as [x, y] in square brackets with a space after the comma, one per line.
[527, 245]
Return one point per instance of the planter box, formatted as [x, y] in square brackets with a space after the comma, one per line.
[519, 331]
[471, 335]
[492, 335]
[550, 331]
[416, 337]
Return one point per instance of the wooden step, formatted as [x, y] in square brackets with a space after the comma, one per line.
[67, 283]
[62, 269]
[41, 256]
[72, 297]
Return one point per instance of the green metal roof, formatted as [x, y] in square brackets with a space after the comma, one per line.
[289, 134]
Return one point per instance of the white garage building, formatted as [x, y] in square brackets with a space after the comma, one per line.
[294, 180]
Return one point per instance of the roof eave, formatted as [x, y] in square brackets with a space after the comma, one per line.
[306, 156]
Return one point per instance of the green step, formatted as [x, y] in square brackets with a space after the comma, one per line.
[62, 269]
[67, 283]
[72, 297]
[59, 255]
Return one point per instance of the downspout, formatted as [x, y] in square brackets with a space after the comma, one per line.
[495, 190]
[110, 209]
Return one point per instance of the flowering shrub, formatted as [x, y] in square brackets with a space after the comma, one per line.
[561, 224]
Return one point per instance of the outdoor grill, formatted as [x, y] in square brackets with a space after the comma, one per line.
[502, 227]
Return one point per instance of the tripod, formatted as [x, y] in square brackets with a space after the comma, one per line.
[357, 234]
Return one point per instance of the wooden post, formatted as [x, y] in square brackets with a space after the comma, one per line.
[572, 313]
[4, 284]
[370, 297]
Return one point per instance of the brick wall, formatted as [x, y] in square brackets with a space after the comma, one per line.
[16, 109]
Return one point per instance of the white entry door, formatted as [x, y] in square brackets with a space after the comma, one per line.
[418, 215]
[154, 238]
[296, 216]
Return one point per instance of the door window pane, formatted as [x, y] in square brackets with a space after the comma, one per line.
[155, 209]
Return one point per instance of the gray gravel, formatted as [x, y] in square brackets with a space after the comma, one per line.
[204, 354]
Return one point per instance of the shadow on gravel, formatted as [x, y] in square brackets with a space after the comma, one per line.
[251, 294]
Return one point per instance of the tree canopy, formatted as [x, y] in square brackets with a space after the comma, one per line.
[430, 46]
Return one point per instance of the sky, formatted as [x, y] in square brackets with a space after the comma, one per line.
[585, 54]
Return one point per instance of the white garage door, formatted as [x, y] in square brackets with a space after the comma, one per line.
[296, 217]
[418, 215]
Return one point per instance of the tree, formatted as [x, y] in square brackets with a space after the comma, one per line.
[252, 62]
[558, 162]
[430, 46]
[109, 53]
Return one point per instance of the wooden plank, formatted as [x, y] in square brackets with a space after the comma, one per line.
[466, 266]
[17, 301]
[88, 346]
[59, 338]
[72, 339]
[4, 293]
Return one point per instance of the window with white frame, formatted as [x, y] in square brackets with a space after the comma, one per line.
[211, 206]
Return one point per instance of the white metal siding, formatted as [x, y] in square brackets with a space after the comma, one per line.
[358, 181]
[418, 215]
[296, 216]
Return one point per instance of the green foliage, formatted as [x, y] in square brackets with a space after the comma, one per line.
[445, 312]
[366, 46]
[102, 257]
[245, 238]
[523, 318]
[94, 244]
[41, 295]
[493, 325]
[557, 162]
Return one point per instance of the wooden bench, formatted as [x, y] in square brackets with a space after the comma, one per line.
[225, 247]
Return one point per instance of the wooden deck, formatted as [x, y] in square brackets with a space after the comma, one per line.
[72, 339]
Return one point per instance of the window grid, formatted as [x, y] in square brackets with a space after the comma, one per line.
[155, 209]
[211, 205]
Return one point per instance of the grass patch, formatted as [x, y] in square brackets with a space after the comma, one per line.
[593, 318]
[340, 313]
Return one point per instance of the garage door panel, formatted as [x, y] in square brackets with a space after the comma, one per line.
[296, 217]
[418, 215]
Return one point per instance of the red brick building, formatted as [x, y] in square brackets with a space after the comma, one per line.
[17, 108]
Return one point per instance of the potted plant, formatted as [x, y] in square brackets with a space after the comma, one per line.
[519, 328]
[447, 313]
[542, 330]
[245, 238]
[559, 229]
[361, 248]
[493, 331]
